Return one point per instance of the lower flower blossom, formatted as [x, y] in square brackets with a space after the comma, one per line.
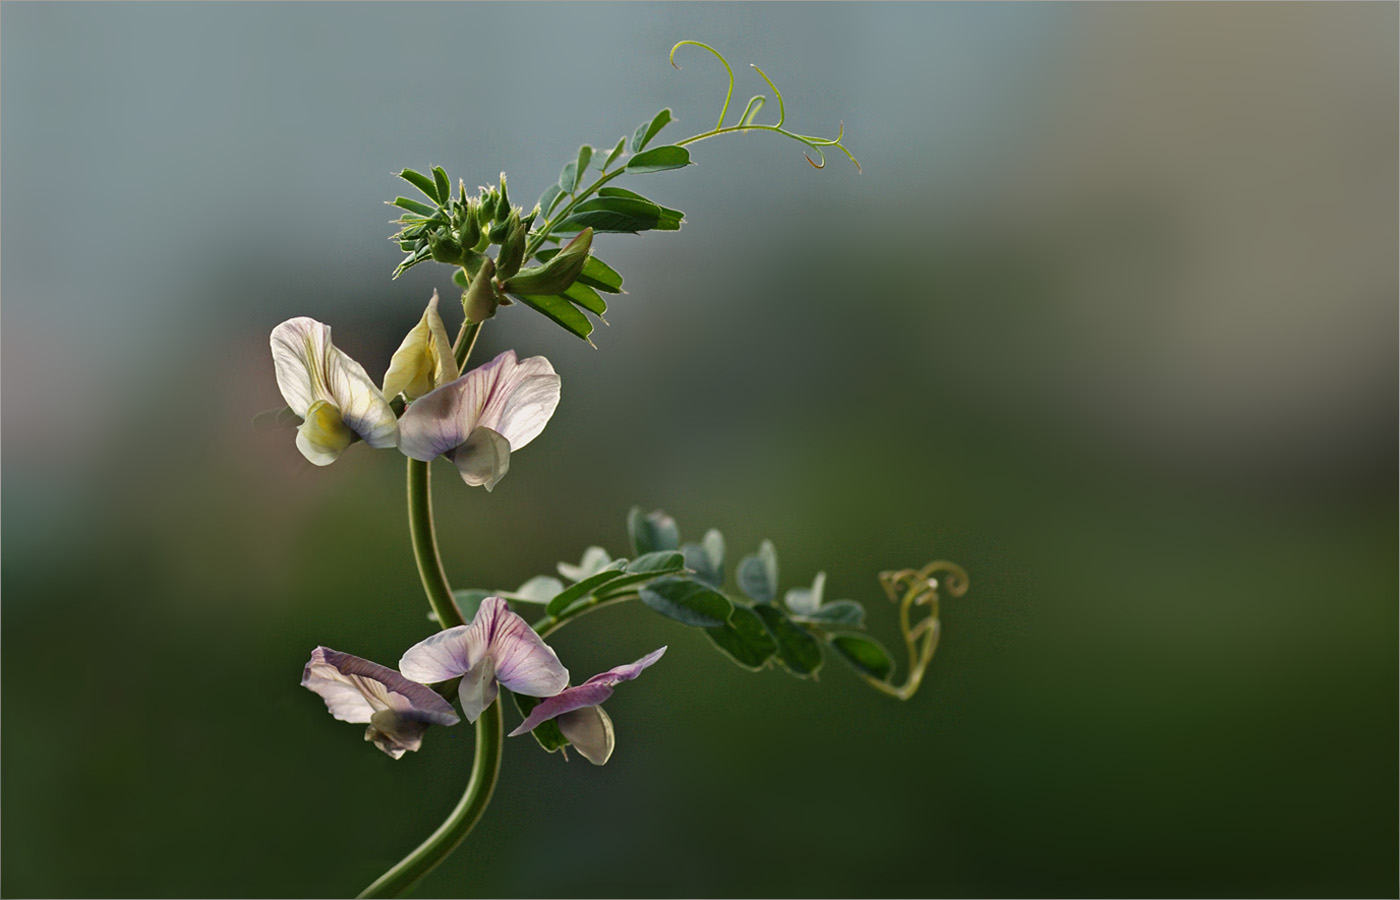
[397, 710]
[498, 647]
[579, 713]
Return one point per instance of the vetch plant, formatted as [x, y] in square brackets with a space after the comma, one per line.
[433, 404]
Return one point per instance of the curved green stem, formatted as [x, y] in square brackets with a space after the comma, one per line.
[425, 548]
[490, 734]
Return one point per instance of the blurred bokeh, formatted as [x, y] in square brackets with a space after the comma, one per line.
[1110, 319]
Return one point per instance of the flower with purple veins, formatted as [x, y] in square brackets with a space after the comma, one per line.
[478, 420]
[579, 713]
[396, 709]
[498, 647]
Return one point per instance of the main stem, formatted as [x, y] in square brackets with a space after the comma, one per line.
[490, 732]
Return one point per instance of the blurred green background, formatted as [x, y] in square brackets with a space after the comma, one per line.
[1109, 318]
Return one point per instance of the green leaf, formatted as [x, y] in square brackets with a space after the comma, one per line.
[659, 159]
[561, 311]
[414, 206]
[572, 172]
[585, 587]
[550, 199]
[600, 276]
[688, 602]
[646, 567]
[469, 601]
[647, 130]
[656, 562]
[707, 558]
[758, 574]
[744, 639]
[585, 296]
[547, 733]
[585, 156]
[837, 612]
[593, 561]
[459, 278]
[798, 651]
[670, 219]
[425, 184]
[616, 152]
[652, 531]
[864, 654]
[568, 177]
[444, 187]
[540, 589]
[613, 214]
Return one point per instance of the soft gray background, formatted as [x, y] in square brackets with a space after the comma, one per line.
[1110, 318]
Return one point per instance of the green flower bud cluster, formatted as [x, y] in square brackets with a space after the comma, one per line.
[460, 230]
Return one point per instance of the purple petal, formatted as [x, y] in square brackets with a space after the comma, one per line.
[515, 399]
[356, 689]
[591, 732]
[432, 424]
[591, 693]
[520, 659]
[564, 702]
[445, 655]
[627, 672]
[524, 662]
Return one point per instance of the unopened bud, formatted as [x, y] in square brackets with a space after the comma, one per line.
[479, 299]
[558, 274]
[512, 248]
[445, 249]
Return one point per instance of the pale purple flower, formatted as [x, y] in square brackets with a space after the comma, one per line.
[396, 709]
[478, 420]
[497, 647]
[331, 393]
[579, 712]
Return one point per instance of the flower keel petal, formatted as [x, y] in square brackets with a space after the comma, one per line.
[591, 732]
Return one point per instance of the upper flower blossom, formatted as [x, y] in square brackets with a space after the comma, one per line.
[397, 710]
[479, 419]
[329, 391]
[424, 360]
[498, 646]
[580, 714]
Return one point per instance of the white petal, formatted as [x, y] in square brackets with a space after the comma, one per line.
[520, 398]
[590, 731]
[483, 459]
[424, 360]
[445, 655]
[324, 435]
[310, 368]
[362, 407]
[478, 688]
[298, 355]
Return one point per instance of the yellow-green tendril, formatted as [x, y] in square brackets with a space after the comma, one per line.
[746, 122]
[910, 588]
